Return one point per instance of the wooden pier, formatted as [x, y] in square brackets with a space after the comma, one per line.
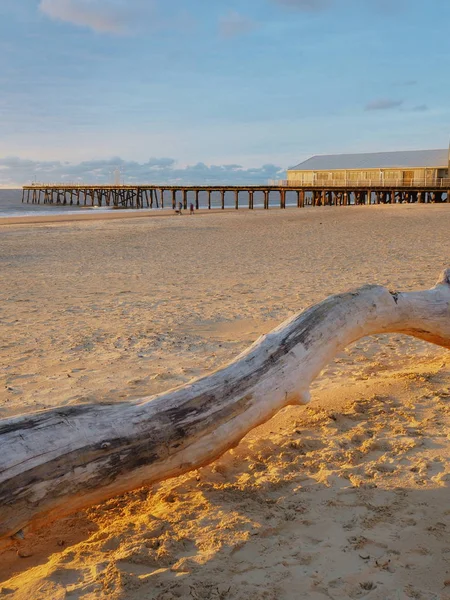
[181, 196]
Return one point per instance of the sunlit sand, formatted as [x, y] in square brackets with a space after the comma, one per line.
[344, 498]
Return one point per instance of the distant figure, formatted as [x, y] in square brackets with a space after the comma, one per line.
[180, 208]
[191, 209]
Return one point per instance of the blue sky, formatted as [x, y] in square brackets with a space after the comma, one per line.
[197, 89]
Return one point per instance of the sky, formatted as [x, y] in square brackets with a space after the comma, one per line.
[215, 90]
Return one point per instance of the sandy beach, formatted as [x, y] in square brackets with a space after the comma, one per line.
[344, 498]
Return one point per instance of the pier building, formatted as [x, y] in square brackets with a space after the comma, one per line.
[411, 168]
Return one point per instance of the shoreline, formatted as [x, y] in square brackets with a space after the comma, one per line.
[136, 214]
[102, 216]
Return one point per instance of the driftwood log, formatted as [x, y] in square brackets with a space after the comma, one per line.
[57, 461]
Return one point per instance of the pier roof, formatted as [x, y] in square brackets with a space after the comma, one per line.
[376, 160]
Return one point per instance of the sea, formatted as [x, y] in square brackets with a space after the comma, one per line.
[11, 203]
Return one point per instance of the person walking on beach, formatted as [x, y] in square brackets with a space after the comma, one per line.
[191, 211]
[180, 207]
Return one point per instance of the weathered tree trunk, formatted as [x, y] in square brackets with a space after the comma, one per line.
[57, 461]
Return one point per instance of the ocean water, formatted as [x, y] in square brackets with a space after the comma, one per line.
[11, 203]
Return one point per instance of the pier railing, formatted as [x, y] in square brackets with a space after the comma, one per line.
[274, 183]
[363, 183]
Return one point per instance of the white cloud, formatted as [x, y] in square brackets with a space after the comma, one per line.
[381, 6]
[103, 16]
[420, 108]
[235, 24]
[305, 4]
[383, 104]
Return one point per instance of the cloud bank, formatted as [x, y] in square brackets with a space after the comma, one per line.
[17, 171]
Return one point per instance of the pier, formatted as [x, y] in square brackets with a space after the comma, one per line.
[243, 196]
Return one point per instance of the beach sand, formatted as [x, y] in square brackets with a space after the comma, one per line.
[344, 498]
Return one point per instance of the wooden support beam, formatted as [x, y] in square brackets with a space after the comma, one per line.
[145, 197]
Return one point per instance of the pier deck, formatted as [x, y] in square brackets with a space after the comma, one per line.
[174, 196]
